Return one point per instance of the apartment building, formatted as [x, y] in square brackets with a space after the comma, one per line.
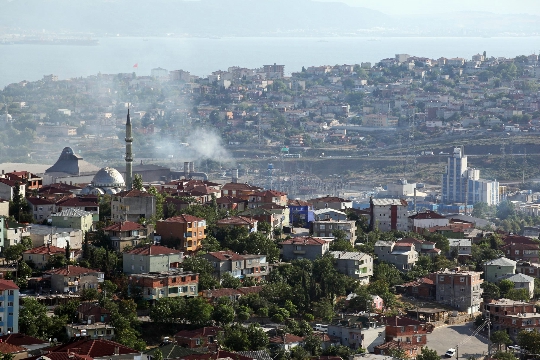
[354, 264]
[403, 255]
[332, 202]
[188, 230]
[172, 283]
[9, 307]
[512, 316]
[127, 233]
[239, 266]
[151, 258]
[74, 279]
[497, 269]
[521, 248]
[132, 205]
[304, 248]
[326, 228]
[459, 289]
[389, 214]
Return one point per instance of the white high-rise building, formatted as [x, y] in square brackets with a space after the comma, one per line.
[461, 184]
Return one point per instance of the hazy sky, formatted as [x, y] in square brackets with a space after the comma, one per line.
[397, 7]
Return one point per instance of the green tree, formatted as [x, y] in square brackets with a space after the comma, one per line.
[518, 294]
[500, 338]
[313, 344]
[229, 281]
[505, 286]
[167, 310]
[158, 355]
[89, 294]
[323, 310]
[428, 354]
[501, 355]
[198, 311]
[33, 319]
[223, 314]
[491, 290]
[530, 341]
[205, 270]
[397, 353]
[69, 310]
[137, 182]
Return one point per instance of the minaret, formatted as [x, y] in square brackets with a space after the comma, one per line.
[129, 155]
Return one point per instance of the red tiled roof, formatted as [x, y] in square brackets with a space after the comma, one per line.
[273, 193]
[134, 193]
[8, 285]
[92, 348]
[72, 270]
[400, 321]
[124, 226]
[184, 218]
[286, 339]
[197, 333]
[250, 289]
[153, 250]
[45, 250]
[39, 201]
[516, 239]
[226, 255]
[61, 356]
[220, 354]
[8, 182]
[229, 200]
[272, 206]
[426, 215]
[237, 220]
[6, 348]
[79, 201]
[240, 186]
[304, 240]
[297, 203]
[20, 339]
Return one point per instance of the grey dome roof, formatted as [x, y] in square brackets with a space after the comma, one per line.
[108, 177]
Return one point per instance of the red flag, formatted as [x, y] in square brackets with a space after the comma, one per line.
[136, 65]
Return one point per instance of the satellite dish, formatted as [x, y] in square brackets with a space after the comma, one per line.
[55, 340]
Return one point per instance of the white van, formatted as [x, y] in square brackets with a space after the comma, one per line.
[321, 327]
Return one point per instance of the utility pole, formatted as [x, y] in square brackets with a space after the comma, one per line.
[489, 337]
[457, 352]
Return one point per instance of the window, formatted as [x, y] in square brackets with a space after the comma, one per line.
[462, 279]
[441, 278]
[516, 252]
[10, 303]
[11, 292]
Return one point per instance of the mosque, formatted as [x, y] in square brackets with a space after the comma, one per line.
[71, 168]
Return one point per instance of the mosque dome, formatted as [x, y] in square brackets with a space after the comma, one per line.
[108, 178]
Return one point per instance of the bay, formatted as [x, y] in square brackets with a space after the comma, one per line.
[201, 56]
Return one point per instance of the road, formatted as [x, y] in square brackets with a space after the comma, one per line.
[447, 337]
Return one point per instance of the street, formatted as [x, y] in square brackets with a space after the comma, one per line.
[448, 337]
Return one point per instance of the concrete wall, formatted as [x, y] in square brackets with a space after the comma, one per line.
[140, 264]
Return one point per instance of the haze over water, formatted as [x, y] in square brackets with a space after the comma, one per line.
[201, 56]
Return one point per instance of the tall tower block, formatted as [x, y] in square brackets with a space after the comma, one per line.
[129, 155]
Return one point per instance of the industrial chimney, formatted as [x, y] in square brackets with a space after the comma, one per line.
[235, 176]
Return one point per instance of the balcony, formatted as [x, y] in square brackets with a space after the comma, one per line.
[299, 252]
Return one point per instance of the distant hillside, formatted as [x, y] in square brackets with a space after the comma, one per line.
[205, 17]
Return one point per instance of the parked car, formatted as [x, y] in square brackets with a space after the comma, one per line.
[515, 347]
[321, 327]
[450, 353]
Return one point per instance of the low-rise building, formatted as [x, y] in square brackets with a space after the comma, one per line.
[286, 342]
[329, 214]
[92, 331]
[461, 247]
[354, 264]
[72, 279]
[522, 281]
[132, 205]
[73, 218]
[521, 248]
[40, 255]
[389, 214]
[425, 220]
[459, 289]
[402, 255]
[59, 237]
[187, 231]
[326, 228]
[172, 283]
[304, 248]
[238, 221]
[332, 202]
[239, 266]
[88, 203]
[300, 212]
[512, 316]
[126, 233]
[151, 258]
[41, 208]
[202, 337]
[498, 269]
[9, 309]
